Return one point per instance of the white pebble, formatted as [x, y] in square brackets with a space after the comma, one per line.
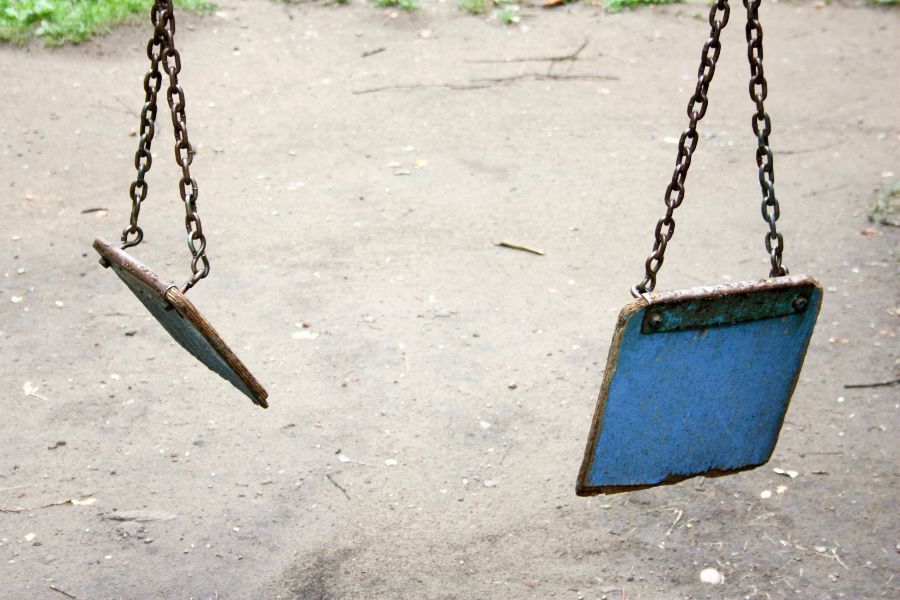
[710, 575]
[766, 494]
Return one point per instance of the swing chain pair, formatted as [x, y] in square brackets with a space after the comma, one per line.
[687, 144]
[162, 54]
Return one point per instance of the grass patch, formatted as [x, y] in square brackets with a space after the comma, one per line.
[886, 208]
[615, 6]
[407, 5]
[59, 22]
[509, 14]
[475, 7]
[507, 10]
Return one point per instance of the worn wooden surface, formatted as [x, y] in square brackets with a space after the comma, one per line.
[182, 320]
[704, 399]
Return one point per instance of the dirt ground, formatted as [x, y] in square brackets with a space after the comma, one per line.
[424, 435]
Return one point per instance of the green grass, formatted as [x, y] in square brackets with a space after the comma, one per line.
[507, 10]
[475, 7]
[886, 208]
[509, 14]
[59, 22]
[615, 6]
[408, 5]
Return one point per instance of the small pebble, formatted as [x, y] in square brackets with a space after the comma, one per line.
[711, 576]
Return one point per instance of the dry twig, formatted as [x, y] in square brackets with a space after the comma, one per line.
[61, 591]
[570, 56]
[851, 386]
[512, 246]
[337, 485]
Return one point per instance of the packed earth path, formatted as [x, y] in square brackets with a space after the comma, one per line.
[431, 392]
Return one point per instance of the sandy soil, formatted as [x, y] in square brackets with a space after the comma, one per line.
[372, 217]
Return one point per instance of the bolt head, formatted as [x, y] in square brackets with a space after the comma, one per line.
[655, 321]
[800, 303]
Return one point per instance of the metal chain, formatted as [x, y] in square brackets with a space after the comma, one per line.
[696, 109]
[161, 50]
[184, 153]
[762, 127]
[133, 234]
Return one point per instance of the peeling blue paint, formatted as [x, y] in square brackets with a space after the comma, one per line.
[698, 400]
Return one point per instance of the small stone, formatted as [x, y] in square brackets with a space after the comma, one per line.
[765, 494]
[484, 425]
[489, 483]
[391, 462]
[512, 385]
[29, 537]
[711, 576]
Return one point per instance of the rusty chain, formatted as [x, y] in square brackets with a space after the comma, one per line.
[762, 126]
[696, 109]
[162, 52]
[133, 234]
[687, 144]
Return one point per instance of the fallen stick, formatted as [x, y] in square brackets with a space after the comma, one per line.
[570, 56]
[63, 592]
[419, 86]
[512, 246]
[72, 501]
[544, 76]
[486, 82]
[678, 516]
[851, 386]
[337, 485]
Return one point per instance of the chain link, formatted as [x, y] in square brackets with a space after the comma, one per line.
[762, 127]
[162, 53]
[696, 109]
[133, 234]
